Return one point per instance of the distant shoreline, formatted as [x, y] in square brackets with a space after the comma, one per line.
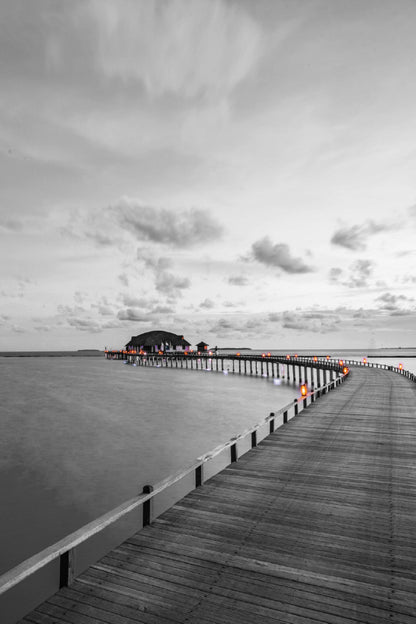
[80, 353]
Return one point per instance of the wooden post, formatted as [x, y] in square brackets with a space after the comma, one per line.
[67, 568]
[198, 476]
[295, 402]
[147, 511]
[271, 422]
[253, 439]
[284, 417]
[233, 451]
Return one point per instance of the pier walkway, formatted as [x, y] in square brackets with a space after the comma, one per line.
[316, 524]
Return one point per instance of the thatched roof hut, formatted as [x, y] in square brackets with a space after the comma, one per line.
[158, 340]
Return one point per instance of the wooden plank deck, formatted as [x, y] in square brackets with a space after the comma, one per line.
[317, 524]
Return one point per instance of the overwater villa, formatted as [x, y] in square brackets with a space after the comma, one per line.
[156, 341]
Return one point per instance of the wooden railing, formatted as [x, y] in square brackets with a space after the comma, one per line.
[200, 471]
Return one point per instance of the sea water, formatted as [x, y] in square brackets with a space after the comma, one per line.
[79, 436]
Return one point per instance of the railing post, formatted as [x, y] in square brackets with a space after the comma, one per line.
[271, 422]
[67, 568]
[284, 417]
[233, 451]
[198, 476]
[295, 401]
[147, 512]
[253, 439]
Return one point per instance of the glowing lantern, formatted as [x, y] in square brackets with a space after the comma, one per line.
[341, 363]
[263, 355]
[401, 366]
[303, 390]
[288, 357]
[296, 355]
[365, 360]
[268, 355]
[345, 370]
[315, 359]
[327, 357]
[238, 354]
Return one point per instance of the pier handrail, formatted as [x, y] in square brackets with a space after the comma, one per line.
[26, 568]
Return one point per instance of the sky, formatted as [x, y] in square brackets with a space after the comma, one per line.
[233, 171]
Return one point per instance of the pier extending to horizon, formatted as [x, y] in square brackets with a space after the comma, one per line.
[314, 524]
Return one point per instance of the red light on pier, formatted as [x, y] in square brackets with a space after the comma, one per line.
[263, 355]
[288, 357]
[303, 390]
[365, 360]
[296, 355]
[315, 359]
[401, 366]
[345, 370]
[327, 357]
[341, 363]
[238, 353]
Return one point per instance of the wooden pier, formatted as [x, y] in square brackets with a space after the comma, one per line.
[316, 524]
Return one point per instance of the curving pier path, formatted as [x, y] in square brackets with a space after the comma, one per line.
[316, 524]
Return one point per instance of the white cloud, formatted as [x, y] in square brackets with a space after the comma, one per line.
[186, 48]
[159, 225]
[278, 255]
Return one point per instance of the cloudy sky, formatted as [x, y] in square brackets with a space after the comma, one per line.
[235, 171]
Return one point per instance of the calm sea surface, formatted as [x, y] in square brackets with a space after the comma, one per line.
[78, 436]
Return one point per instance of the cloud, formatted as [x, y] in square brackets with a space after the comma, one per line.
[207, 304]
[159, 225]
[278, 255]
[238, 280]
[133, 314]
[223, 327]
[85, 324]
[202, 48]
[171, 285]
[356, 276]
[160, 309]
[355, 236]
[11, 225]
[316, 321]
[124, 279]
[393, 303]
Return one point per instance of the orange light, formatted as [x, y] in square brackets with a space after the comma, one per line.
[315, 359]
[296, 355]
[401, 366]
[303, 390]
[210, 353]
[341, 363]
[238, 354]
[345, 370]
[288, 357]
[269, 354]
[365, 360]
[263, 355]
